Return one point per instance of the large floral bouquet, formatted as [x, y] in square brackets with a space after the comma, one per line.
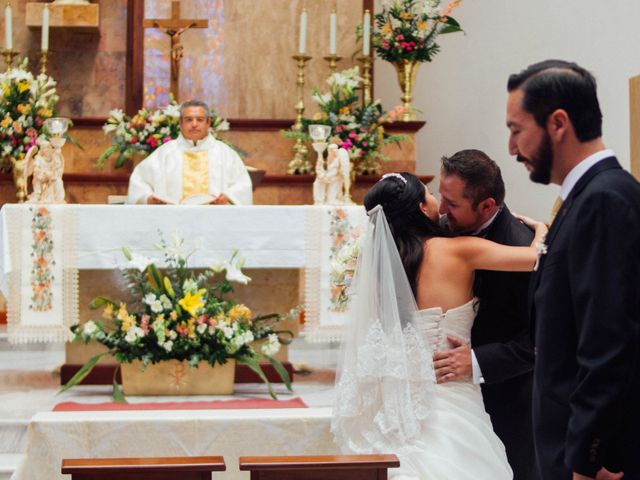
[147, 130]
[356, 128]
[181, 315]
[25, 103]
[407, 29]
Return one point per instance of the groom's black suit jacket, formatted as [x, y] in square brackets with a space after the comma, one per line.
[585, 302]
[501, 341]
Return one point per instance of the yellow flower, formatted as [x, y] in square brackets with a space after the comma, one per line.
[108, 311]
[128, 322]
[45, 112]
[173, 315]
[239, 312]
[23, 86]
[168, 287]
[5, 89]
[6, 122]
[386, 29]
[344, 111]
[122, 312]
[319, 116]
[422, 25]
[24, 109]
[192, 303]
[406, 16]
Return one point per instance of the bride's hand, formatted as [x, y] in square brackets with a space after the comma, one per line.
[535, 225]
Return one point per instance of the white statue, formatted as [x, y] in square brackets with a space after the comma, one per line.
[333, 181]
[46, 164]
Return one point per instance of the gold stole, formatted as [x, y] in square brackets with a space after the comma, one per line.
[195, 173]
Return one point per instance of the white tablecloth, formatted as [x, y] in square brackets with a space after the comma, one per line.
[268, 236]
[53, 436]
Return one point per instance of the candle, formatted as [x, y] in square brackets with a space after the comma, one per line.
[366, 34]
[44, 46]
[333, 23]
[303, 32]
[8, 35]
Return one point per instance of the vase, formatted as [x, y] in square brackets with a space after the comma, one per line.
[19, 178]
[406, 70]
[173, 377]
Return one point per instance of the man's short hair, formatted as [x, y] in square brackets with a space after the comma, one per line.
[481, 175]
[556, 84]
[194, 103]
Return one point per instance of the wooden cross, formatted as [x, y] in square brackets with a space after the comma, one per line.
[174, 27]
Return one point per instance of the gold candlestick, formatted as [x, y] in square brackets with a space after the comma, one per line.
[300, 164]
[366, 61]
[9, 55]
[44, 58]
[332, 60]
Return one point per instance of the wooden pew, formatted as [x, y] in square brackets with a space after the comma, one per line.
[335, 467]
[160, 468]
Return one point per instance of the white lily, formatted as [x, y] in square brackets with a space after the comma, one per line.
[139, 262]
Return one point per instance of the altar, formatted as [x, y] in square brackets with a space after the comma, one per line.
[288, 248]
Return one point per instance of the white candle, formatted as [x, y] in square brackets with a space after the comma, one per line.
[303, 33]
[44, 46]
[8, 34]
[333, 26]
[366, 34]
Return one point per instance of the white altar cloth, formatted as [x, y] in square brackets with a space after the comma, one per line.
[53, 436]
[268, 236]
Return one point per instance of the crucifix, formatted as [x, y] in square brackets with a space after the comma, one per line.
[175, 27]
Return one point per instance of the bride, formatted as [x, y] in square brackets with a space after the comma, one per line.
[412, 288]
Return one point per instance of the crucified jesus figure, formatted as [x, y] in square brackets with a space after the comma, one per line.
[177, 49]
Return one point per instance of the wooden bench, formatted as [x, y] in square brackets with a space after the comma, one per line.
[334, 467]
[161, 468]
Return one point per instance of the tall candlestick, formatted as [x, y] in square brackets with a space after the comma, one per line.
[8, 33]
[303, 32]
[333, 26]
[45, 29]
[366, 34]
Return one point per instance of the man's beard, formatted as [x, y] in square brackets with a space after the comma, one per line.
[541, 161]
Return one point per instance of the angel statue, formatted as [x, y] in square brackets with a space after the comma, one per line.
[46, 164]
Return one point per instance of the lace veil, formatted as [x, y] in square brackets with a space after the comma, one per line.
[385, 376]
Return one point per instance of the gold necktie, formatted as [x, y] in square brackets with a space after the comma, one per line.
[557, 205]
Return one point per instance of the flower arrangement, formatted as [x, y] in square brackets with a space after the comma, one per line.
[147, 130]
[181, 315]
[25, 103]
[407, 29]
[356, 128]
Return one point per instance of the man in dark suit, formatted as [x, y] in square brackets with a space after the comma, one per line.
[501, 359]
[585, 294]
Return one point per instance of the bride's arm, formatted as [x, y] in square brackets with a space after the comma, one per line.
[481, 254]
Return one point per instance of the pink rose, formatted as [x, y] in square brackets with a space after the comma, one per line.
[166, 139]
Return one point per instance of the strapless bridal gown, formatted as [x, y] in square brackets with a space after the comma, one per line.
[457, 441]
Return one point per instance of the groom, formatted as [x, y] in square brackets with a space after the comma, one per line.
[585, 295]
[472, 200]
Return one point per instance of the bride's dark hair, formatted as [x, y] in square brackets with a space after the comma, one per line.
[409, 225]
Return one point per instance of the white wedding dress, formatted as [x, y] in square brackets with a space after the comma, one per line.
[457, 441]
[387, 400]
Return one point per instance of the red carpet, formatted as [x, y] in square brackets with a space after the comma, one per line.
[211, 405]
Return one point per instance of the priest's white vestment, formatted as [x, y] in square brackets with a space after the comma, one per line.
[162, 172]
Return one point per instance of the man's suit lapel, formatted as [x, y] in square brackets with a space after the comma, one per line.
[606, 164]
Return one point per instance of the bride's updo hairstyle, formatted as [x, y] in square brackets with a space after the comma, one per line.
[400, 195]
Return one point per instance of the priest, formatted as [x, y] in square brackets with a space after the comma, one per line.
[194, 168]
